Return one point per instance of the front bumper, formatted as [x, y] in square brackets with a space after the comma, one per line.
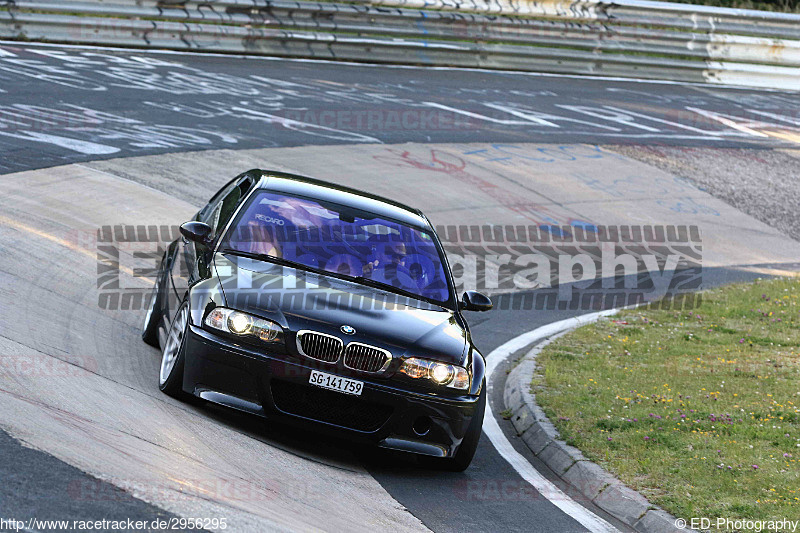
[276, 386]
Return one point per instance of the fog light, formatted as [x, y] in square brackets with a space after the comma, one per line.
[422, 425]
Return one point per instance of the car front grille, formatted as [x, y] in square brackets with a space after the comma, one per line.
[328, 406]
[319, 346]
[365, 358]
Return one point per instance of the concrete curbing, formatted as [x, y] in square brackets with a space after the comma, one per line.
[591, 480]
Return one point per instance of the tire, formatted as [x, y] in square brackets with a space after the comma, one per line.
[469, 445]
[153, 317]
[170, 376]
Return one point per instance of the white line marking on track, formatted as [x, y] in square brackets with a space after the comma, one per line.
[728, 122]
[82, 147]
[524, 468]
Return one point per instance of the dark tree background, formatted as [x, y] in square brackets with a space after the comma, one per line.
[766, 5]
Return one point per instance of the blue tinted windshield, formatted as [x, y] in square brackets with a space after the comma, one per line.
[336, 239]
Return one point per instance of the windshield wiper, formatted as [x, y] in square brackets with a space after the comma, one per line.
[272, 259]
[384, 286]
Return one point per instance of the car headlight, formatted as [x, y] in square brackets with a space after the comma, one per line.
[244, 325]
[453, 376]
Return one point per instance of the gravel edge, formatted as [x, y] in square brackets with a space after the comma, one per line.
[567, 462]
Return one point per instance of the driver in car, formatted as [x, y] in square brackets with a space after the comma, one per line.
[392, 256]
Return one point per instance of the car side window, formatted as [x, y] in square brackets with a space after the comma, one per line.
[222, 207]
[206, 214]
[210, 213]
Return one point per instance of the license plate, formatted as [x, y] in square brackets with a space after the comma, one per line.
[337, 383]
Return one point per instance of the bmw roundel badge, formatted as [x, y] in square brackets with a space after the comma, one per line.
[348, 330]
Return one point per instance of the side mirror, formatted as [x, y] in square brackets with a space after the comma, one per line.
[198, 232]
[475, 301]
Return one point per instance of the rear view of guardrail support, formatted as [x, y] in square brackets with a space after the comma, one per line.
[631, 38]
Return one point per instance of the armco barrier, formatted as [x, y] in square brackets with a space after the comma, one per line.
[636, 38]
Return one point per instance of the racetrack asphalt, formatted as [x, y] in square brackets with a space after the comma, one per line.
[36, 484]
[68, 105]
[63, 105]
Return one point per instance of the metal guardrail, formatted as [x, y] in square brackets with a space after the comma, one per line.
[626, 38]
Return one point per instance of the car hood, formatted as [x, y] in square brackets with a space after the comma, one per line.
[299, 300]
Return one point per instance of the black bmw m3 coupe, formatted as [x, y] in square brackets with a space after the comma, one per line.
[292, 298]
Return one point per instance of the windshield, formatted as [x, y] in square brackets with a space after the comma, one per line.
[342, 241]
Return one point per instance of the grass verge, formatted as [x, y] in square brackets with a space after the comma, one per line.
[698, 410]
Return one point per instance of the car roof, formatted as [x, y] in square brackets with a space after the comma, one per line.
[322, 190]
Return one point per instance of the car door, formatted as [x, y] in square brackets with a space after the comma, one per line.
[191, 261]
